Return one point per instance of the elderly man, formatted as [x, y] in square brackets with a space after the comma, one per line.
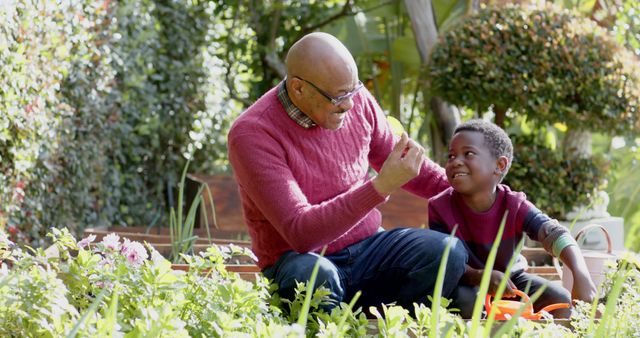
[301, 156]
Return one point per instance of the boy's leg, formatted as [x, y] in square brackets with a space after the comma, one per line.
[401, 266]
[553, 293]
[294, 267]
[463, 298]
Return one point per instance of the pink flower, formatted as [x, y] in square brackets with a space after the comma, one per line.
[85, 241]
[103, 285]
[5, 241]
[106, 262]
[111, 242]
[134, 252]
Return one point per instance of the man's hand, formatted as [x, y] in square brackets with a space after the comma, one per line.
[401, 166]
[583, 288]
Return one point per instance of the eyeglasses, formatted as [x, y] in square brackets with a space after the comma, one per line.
[335, 100]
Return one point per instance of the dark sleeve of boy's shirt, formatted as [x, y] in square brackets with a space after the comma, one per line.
[534, 219]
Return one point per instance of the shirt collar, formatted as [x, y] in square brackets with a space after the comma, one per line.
[294, 112]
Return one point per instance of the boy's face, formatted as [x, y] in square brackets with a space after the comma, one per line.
[471, 168]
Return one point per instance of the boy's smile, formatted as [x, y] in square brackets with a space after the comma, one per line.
[471, 168]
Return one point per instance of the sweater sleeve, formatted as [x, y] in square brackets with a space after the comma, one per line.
[430, 181]
[261, 169]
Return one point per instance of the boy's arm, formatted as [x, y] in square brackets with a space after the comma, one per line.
[557, 240]
[583, 287]
[473, 277]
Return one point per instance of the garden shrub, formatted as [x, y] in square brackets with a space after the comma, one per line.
[44, 46]
[99, 102]
[121, 288]
[553, 183]
[551, 65]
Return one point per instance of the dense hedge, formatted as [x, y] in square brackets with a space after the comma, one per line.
[100, 103]
[553, 183]
[549, 64]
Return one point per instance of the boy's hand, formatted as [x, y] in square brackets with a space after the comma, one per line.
[494, 282]
[583, 288]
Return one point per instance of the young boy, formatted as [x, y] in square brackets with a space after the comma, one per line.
[480, 155]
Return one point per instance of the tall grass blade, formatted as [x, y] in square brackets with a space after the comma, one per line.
[213, 212]
[502, 286]
[90, 311]
[506, 327]
[181, 196]
[349, 310]
[594, 310]
[437, 291]
[173, 232]
[111, 316]
[612, 300]
[486, 275]
[304, 312]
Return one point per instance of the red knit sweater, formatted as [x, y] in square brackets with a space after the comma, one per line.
[302, 188]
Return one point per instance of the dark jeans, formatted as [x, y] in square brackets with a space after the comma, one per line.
[464, 296]
[399, 265]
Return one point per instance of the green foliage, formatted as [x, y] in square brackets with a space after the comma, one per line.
[549, 64]
[553, 183]
[621, 290]
[39, 48]
[113, 288]
[624, 191]
[101, 102]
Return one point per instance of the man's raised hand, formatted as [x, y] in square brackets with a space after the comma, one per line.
[402, 165]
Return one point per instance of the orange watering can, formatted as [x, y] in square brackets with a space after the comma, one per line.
[506, 309]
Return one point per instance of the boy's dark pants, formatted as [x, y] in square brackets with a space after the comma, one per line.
[464, 296]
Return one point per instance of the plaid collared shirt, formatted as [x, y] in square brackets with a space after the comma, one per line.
[294, 112]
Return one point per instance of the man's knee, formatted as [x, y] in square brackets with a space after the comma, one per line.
[458, 256]
[298, 268]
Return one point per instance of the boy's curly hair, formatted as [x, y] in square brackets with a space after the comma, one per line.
[495, 138]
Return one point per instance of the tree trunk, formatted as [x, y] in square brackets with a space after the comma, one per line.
[500, 115]
[446, 116]
[577, 144]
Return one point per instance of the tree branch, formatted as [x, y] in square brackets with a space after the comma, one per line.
[271, 58]
[347, 10]
[227, 76]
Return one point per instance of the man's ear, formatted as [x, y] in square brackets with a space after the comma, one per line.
[295, 85]
[501, 164]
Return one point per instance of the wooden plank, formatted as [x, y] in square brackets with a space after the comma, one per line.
[403, 209]
[226, 199]
[161, 235]
[537, 256]
[248, 272]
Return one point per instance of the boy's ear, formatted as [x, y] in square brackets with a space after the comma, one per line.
[501, 164]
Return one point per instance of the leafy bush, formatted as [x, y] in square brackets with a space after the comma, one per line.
[50, 149]
[553, 183]
[549, 64]
[102, 101]
[122, 288]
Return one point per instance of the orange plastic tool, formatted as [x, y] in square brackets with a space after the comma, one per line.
[506, 309]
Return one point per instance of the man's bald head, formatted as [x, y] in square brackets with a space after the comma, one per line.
[322, 58]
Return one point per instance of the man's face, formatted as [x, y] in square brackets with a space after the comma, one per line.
[327, 106]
